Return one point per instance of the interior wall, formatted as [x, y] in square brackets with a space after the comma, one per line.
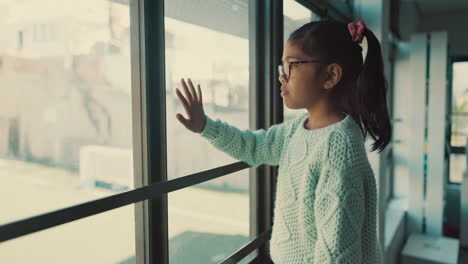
[412, 21]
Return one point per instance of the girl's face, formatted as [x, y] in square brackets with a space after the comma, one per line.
[305, 85]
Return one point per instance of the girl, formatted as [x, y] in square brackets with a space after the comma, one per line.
[325, 206]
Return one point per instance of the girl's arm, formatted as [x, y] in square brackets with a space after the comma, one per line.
[339, 207]
[252, 147]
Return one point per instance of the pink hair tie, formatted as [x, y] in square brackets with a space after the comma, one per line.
[357, 31]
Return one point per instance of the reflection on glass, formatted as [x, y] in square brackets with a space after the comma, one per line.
[459, 119]
[295, 15]
[208, 43]
[65, 121]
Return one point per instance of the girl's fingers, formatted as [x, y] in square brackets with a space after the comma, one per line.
[185, 104]
[181, 97]
[187, 93]
[182, 120]
[192, 89]
[200, 98]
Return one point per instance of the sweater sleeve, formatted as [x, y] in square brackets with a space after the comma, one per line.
[339, 208]
[252, 147]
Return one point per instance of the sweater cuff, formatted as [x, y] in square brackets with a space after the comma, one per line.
[211, 129]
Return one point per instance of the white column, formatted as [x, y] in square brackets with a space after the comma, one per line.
[417, 125]
[403, 101]
[436, 124]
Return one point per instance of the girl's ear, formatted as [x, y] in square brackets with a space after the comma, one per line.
[333, 75]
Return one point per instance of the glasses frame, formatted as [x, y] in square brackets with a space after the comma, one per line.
[286, 71]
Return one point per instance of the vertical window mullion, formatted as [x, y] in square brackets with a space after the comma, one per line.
[266, 48]
[154, 129]
[138, 70]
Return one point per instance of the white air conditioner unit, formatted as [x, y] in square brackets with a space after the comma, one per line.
[464, 204]
[106, 164]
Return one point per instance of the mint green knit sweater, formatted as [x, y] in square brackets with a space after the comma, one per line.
[325, 205]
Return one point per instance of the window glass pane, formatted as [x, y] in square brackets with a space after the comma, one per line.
[208, 222]
[207, 41]
[295, 15]
[106, 238]
[459, 127]
[459, 104]
[459, 119]
[65, 120]
[457, 167]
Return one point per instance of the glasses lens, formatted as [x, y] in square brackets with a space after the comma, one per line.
[282, 72]
[286, 70]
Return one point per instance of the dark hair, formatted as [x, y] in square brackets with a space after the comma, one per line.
[361, 92]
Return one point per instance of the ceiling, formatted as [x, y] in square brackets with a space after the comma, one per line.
[441, 6]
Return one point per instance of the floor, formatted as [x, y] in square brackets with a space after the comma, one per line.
[463, 256]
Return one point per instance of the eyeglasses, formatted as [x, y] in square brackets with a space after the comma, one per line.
[285, 70]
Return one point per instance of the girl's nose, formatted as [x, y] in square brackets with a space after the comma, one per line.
[282, 79]
[281, 75]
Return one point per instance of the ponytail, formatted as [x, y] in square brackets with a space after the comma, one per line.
[370, 106]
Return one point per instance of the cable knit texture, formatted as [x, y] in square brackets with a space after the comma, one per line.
[325, 205]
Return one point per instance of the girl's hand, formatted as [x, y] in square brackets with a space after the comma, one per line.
[193, 104]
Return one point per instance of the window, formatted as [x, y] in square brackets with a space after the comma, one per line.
[459, 121]
[207, 225]
[295, 15]
[106, 238]
[208, 43]
[65, 126]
